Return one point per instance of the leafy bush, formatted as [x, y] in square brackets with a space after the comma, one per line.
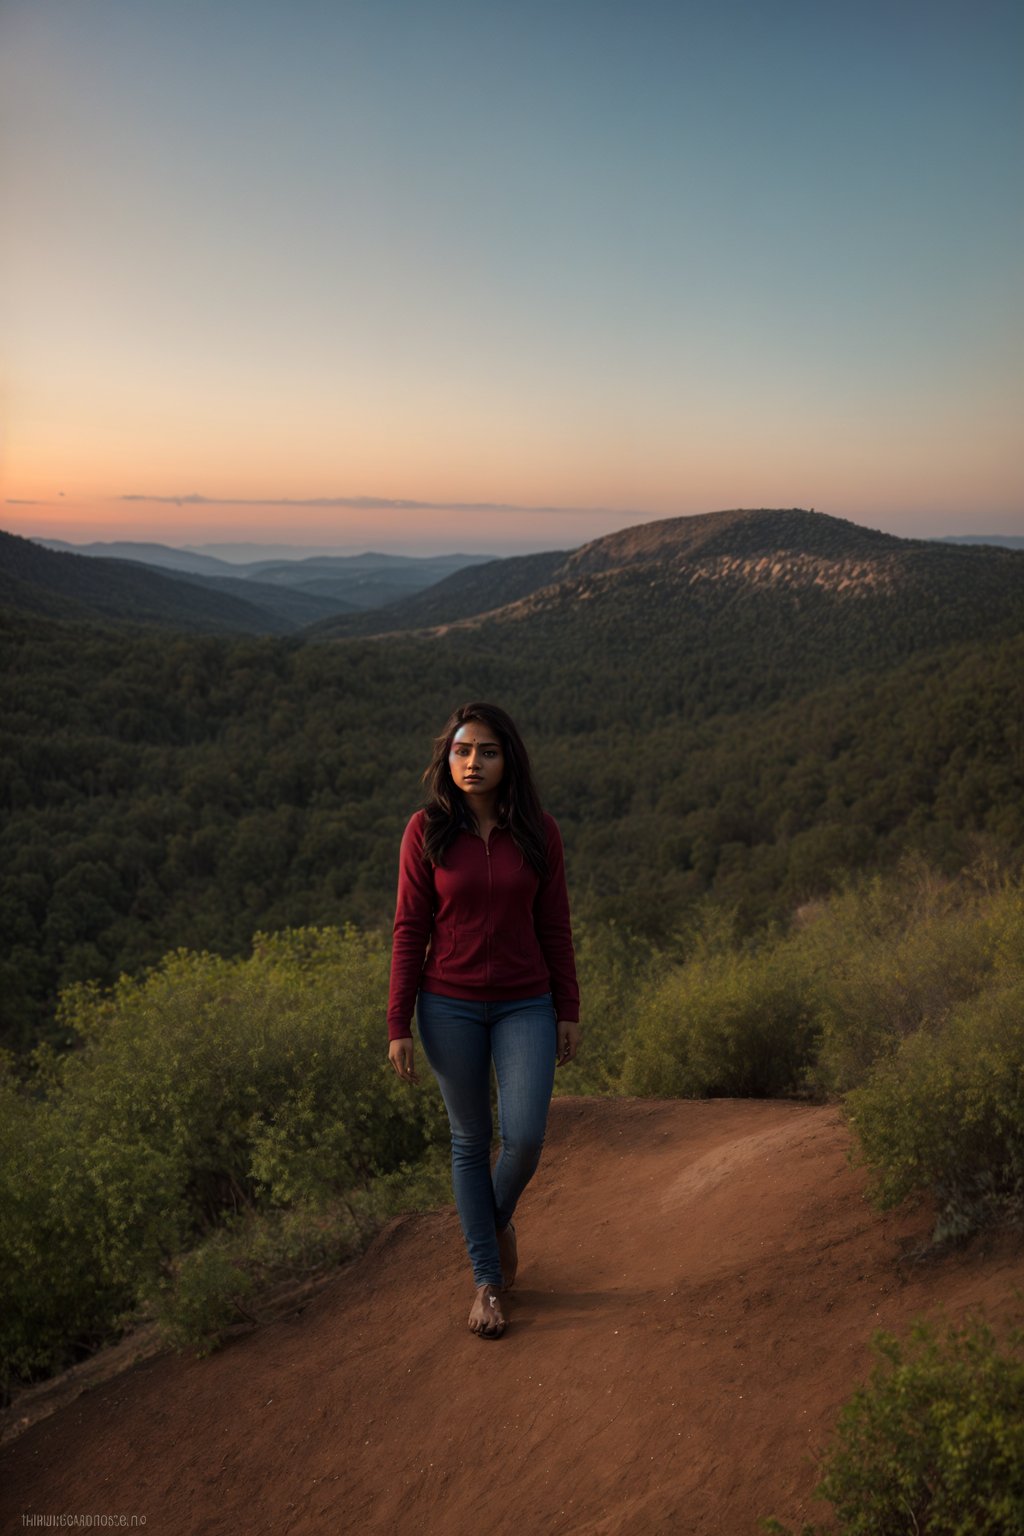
[897, 955]
[736, 1023]
[945, 1114]
[204, 1089]
[934, 1442]
[205, 1292]
[55, 1245]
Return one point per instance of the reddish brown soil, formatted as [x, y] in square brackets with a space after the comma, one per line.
[698, 1286]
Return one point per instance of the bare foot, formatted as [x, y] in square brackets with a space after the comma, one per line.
[509, 1255]
[485, 1316]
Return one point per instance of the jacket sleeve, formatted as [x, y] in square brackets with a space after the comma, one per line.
[414, 921]
[554, 929]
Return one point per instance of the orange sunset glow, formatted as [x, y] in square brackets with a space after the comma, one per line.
[375, 280]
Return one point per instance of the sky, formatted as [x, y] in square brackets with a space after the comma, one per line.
[466, 274]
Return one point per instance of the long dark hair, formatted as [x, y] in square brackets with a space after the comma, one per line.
[518, 805]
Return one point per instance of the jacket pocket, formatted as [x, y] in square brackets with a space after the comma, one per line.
[458, 951]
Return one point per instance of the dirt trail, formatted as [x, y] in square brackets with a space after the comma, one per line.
[698, 1287]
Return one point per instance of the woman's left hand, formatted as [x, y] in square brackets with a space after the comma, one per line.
[568, 1041]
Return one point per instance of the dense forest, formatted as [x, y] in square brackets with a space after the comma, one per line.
[163, 791]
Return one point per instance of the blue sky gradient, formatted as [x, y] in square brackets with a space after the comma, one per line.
[641, 258]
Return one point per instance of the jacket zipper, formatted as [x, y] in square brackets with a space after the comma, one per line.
[487, 850]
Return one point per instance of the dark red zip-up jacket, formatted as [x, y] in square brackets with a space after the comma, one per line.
[482, 925]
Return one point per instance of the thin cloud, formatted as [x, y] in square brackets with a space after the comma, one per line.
[368, 503]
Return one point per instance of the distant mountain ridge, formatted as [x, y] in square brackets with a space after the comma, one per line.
[288, 567]
[463, 595]
[787, 551]
[144, 552]
[72, 587]
[148, 583]
[668, 572]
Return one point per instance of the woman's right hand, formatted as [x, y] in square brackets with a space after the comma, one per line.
[401, 1058]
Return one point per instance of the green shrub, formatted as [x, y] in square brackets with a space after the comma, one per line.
[199, 1296]
[945, 1114]
[934, 1442]
[210, 1287]
[726, 1023]
[894, 956]
[55, 1246]
[203, 1089]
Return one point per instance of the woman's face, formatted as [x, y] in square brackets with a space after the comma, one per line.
[476, 760]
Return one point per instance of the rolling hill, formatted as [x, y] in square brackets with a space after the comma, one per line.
[54, 585]
[688, 567]
[463, 594]
[144, 552]
[324, 585]
[295, 606]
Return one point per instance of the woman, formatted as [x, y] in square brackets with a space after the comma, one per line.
[483, 950]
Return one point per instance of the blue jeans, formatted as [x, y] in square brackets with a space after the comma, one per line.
[460, 1040]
